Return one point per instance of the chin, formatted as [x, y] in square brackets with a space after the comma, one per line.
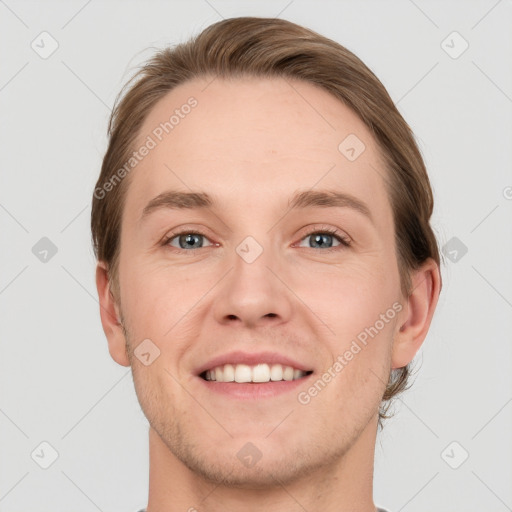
[229, 471]
[248, 462]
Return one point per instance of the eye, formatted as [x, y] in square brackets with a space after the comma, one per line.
[325, 239]
[186, 240]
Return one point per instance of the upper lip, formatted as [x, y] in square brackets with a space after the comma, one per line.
[239, 357]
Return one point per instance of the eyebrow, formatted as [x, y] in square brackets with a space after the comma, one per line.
[303, 199]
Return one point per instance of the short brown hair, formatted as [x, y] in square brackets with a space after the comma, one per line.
[265, 47]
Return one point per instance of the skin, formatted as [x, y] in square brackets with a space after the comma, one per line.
[251, 144]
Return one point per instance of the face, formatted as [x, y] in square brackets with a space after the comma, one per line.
[278, 264]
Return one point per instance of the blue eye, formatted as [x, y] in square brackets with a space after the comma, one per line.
[187, 240]
[321, 240]
[324, 239]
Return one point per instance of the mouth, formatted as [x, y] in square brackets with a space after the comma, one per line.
[256, 374]
[242, 375]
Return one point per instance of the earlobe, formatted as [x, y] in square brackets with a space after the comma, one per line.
[110, 317]
[420, 307]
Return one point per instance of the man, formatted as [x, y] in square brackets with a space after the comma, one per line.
[266, 266]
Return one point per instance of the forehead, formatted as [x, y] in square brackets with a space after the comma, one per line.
[249, 139]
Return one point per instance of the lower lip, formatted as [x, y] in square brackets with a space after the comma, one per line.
[256, 390]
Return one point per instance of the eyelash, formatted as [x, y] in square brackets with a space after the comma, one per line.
[344, 241]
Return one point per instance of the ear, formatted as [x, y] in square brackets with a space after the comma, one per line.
[110, 317]
[419, 310]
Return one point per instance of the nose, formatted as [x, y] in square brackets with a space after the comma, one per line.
[253, 293]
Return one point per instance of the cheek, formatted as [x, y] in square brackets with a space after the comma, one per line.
[351, 298]
[362, 319]
[360, 308]
[154, 294]
[164, 305]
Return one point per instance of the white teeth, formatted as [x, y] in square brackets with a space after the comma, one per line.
[261, 373]
[243, 373]
[258, 373]
[288, 373]
[229, 373]
[276, 372]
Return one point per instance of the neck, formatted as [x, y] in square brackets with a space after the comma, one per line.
[345, 484]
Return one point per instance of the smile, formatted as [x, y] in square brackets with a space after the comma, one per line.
[258, 373]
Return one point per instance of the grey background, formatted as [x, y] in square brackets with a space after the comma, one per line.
[58, 383]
